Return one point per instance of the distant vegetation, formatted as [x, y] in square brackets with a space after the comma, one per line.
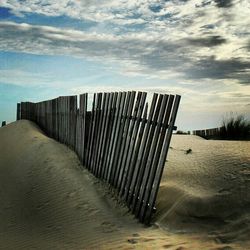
[235, 128]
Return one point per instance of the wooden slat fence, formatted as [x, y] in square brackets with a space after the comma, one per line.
[121, 140]
[208, 133]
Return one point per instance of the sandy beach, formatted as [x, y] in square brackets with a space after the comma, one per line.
[49, 201]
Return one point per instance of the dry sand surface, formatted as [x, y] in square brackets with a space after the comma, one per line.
[48, 201]
[208, 189]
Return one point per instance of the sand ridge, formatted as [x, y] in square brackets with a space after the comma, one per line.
[48, 201]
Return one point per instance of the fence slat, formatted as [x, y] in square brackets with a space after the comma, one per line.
[89, 124]
[83, 117]
[18, 111]
[109, 141]
[91, 132]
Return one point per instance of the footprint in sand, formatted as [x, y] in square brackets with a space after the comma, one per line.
[92, 211]
[167, 246]
[46, 161]
[84, 206]
[245, 172]
[224, 191]
[7, 207]
[108, 227]
[43, 205]
[136, 235]
[147, 239]
[39, 207]
[132, 241]
[225, 248]
[70, 194]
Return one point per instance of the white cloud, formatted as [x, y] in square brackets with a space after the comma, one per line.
[143, 52]
[202, 46]
[25, 78]
[174, 19]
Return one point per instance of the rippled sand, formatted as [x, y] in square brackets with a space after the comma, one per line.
[48, 201]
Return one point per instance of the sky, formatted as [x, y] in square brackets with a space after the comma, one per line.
[199, 49]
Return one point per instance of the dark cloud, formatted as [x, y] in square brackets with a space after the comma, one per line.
[224, 3]
[203, 4]
[208, 26]
[220, 69]
[219, 3]
[248, 45]
[240, 95]
[206, 41]
[173, 57]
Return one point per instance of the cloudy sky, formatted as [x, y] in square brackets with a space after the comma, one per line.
[199, 49]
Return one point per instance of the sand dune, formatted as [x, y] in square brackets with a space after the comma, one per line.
[208, 189]
[48, 201]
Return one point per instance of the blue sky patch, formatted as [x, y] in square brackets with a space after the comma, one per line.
[54, 21]
[155, 8]
[5, 13]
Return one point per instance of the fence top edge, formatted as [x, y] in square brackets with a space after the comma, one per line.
[98, 93]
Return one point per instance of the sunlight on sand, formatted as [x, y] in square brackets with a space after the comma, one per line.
[48, 201]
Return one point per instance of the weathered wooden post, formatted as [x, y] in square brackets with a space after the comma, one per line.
[18, 112]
